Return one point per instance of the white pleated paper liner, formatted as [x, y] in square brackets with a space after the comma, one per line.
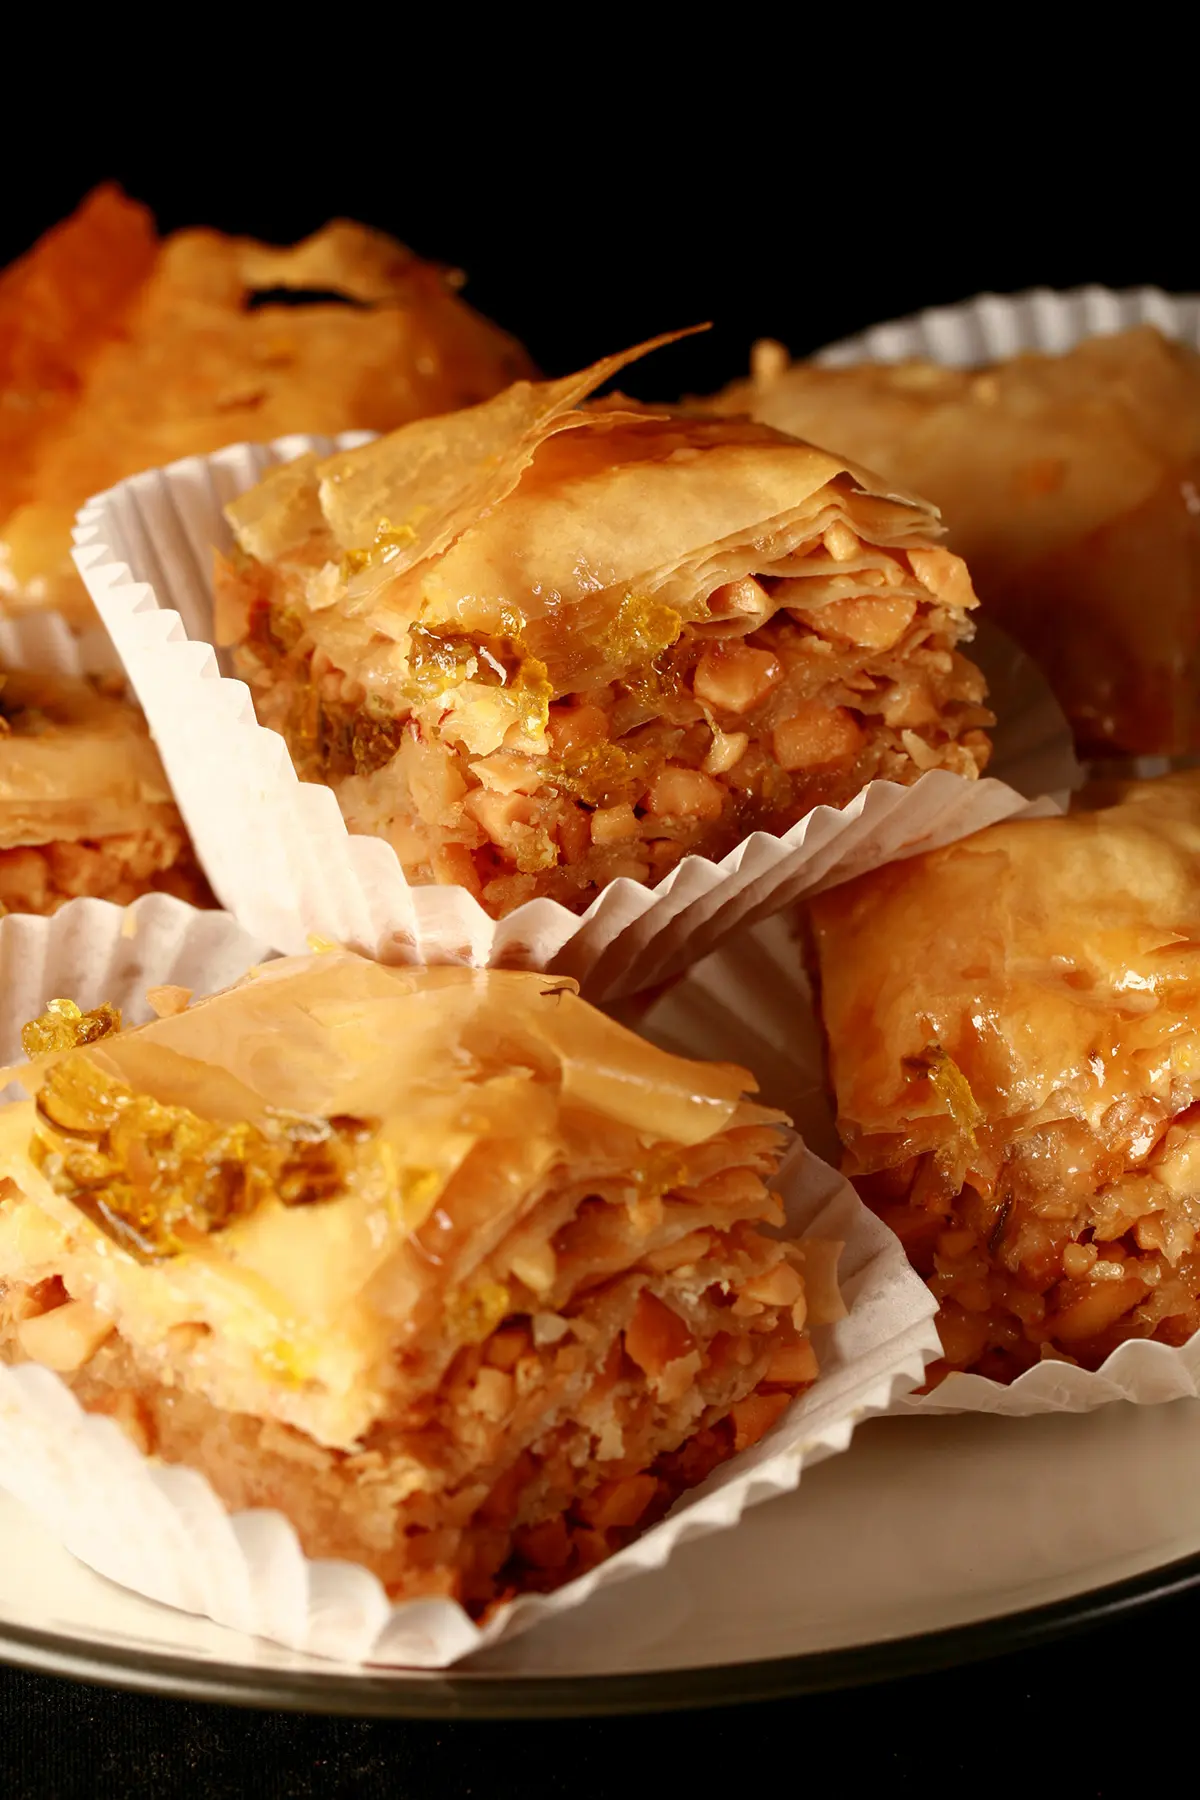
[91, 951]
[43, 641]
[277, 853]
[161, 1531]
[754, 991]
[994, 326]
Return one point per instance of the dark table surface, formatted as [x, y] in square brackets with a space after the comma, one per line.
[1064, 1718]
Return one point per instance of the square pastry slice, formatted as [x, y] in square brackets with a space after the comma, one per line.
[538, 646]
[467, 1280]
[84, 804]
[1014, 1038]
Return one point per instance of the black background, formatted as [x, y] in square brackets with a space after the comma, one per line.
[799, 183]
[604, 216]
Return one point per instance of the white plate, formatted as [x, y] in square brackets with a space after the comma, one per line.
[956, 1537]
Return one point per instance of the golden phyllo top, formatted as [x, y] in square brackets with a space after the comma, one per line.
[329, 1159]
[1042, 970]
[484, 563]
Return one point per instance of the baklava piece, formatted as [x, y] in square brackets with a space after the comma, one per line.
[85, 808]
[538, 646]
[464, 1278]
[1014, 1037]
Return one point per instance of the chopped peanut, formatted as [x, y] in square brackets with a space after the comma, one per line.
[591, 1547]
[656, 1335]
[165, 1002]
[536, 1266]
[923, 754]
[505, 773]
[1098, 1308]
[684, 1250]
[910, 702]
[577, 727]
[492, 1394]
[754, 1416]
[1078, 1259]
[685, 794]
[678, 1378]
[876, 624]
[64, 1338]
[434, 779]
[944, 574]
[612, 823]
[735, 677]
[792, 1364]
[731, 1187]
[748, 596]
[841, 542]
[618, 1503]
[746, 1308]
[780, 1286]
[728, 749]
[817, 737]
[498, 813]
[505, 1346]
[573, 830]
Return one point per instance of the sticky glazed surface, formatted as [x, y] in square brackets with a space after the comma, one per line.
[1014, 1038]
[466, 1279]
[1069, 484]
[85, 808]
[538, 648]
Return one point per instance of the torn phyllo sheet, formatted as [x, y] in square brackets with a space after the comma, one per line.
[1014, 1037]
[85, 807]
[538, 645]
[464, 1278]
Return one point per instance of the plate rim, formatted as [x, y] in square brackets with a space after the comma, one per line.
[469, 1694]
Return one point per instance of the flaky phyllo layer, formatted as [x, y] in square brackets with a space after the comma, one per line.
[85, 807]
[1014, 1035]
[537, 646]
[467, 1279]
